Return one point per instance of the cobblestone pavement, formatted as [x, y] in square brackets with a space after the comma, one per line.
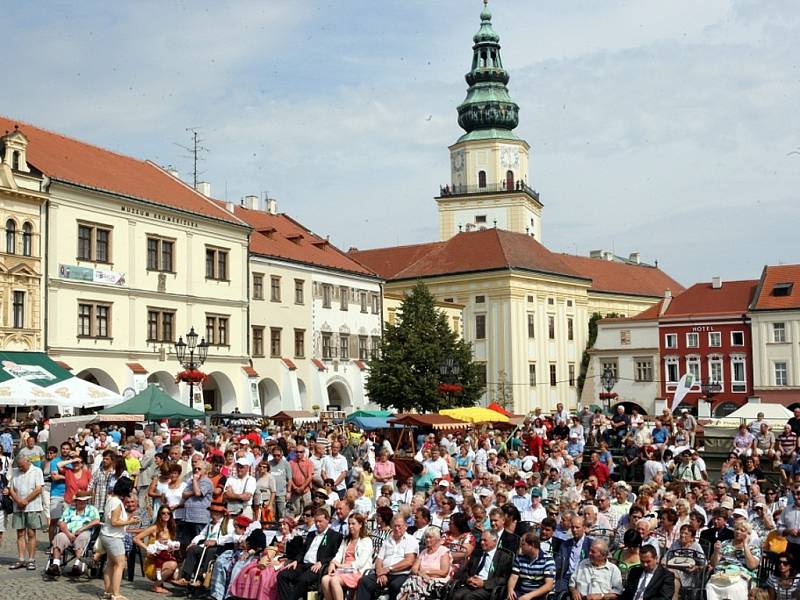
[31, 585]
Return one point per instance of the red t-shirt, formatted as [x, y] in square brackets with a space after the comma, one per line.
[75, 483]
[600, 471]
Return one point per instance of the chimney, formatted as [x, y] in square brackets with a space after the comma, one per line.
[635, 257]
[596, 254]
[272, 206]
[230, 207]
[665, 304]
[251, 202]
[173, 171]
[716, 283]
[608, 255]
[204, 188]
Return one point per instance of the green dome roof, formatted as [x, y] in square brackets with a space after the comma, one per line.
[487, 105]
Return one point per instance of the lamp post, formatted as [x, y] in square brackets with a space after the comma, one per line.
[608, 381]
[449, 371]
[191, 355]
[710, 389]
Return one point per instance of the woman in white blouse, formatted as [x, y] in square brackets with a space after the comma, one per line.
[351, 562]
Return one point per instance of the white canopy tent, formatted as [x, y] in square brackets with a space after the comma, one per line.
[21, 392]
[772, 412]
[79, 393]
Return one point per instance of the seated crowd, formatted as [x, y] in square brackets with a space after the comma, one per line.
[484, 514]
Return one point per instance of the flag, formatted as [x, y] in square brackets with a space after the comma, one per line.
[684, 386]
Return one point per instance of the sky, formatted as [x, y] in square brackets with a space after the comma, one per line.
[667, 128]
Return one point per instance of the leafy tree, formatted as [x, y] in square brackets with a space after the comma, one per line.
[406, 375]
[589, 344]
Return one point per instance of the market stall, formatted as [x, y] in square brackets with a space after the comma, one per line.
[155, 405]
[286, 418]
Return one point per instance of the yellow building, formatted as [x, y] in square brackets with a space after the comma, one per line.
[452, 311]
[526, 309]
[134, 258]
[21, 200]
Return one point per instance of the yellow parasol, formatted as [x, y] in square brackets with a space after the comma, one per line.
[475, 414]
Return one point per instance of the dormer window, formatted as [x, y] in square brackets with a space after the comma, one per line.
[782, 289]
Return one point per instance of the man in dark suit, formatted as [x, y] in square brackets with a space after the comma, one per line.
[718, 532]
[485, 571]
[649, 581]
[571, 552]
[320, 548]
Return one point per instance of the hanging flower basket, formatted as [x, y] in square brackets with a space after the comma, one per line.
[191, 376]
[450, 388]
[608, 395]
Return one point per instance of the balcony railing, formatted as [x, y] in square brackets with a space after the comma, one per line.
[503, 186]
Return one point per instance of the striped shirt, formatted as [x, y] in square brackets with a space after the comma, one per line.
[532, 572]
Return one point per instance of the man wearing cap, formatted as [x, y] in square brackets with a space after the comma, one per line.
[239, 490]
[689, 425]
[75, 529]
[218, 527]
[520, 498]
[537, 511]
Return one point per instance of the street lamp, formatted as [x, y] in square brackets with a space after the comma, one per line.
[710, 388]
[449, 371]
[197, 354]
[608, 381]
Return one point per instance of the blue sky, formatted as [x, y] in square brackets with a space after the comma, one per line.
[660, 127]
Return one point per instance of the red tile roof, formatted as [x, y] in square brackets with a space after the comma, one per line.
[765, 300]
[649, 314]
[733, 298]
[280, 236]
[64, 365]
[249, 371]
[68, 160]
[623, 278]
[466, 252]
[289, 364]
[137, 368]
[319, 364]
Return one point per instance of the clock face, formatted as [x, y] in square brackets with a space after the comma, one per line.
[458, 161]
[509, 157]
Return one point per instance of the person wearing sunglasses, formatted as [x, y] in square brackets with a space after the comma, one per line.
[784, 583]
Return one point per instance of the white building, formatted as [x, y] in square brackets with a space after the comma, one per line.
[315, 316]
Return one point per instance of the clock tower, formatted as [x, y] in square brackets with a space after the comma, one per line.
[489, 163]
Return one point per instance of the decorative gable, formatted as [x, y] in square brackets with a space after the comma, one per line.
[15, 148]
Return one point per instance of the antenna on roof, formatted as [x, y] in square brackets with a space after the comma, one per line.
[195, 148]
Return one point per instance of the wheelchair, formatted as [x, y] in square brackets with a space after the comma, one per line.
[69, 556]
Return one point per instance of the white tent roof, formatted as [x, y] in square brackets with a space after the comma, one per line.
[21, 392]
[79, 393]
[772, 412]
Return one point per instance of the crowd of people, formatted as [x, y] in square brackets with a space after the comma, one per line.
[585, 506]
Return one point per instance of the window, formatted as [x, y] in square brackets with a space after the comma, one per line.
[551, 327]
[553, 377]
[531, 325]
[94, 243]
[344, 346]
[363, 350]
[644, 369]
[480, 219]
[456, 327]
[532, 374]
[780, 373]
[509, 180]
[779, 332]
[160, 325]
[782, 289]
[275, 288]
[363, 299]
[375, 348]
[327, 295]
[551, 301]
[299, 343]
[275, 342]
[376, 304]
[531, 299]
[569, 303]
[217, 330]
[94, 320]
[671, 340]
[625, 337]
[327, 346]
[481, 179]
[714, 339]
[258, 341]
[449, 300]
[570, 329]
[692, 340]
[482, 379]
[671, 365]
[216, 263]
[737, 338]
[344, 298]
[609, 363]
[738, 377]
[480, 299]
[715, 370]
[258, 286]
[27, 239]
[298, 291]
[11, 236]
[693, 367]
[571, 374]
[18, 309]
[480, 327]
[160, 254]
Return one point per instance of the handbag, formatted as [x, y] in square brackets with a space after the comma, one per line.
[776, 542]
[6, 503]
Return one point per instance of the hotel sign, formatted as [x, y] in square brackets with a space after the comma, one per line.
[158, 216]
[103, 276]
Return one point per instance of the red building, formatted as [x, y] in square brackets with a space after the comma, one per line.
[706, 331]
